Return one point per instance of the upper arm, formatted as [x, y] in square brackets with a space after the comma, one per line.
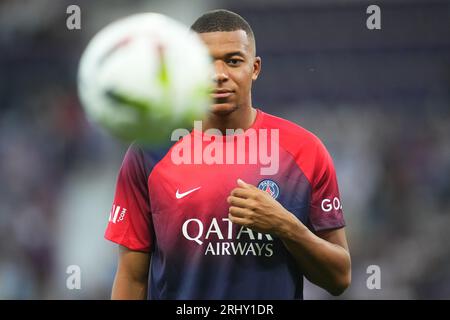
[130, 221]
[335, 236]
[325, 207]
[133, 264]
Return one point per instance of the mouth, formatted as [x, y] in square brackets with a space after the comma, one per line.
[220, 94]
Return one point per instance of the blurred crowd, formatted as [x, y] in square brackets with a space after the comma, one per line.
[57, 170]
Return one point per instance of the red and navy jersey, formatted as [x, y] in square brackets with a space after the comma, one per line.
[179, 214]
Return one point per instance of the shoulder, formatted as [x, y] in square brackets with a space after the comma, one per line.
[293, 137]
[306, 149]
[142, 159]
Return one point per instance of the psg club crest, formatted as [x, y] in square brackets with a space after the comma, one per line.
[270, 187]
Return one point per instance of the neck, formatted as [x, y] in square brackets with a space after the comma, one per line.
[241, 118]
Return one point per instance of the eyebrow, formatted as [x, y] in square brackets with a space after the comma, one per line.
[235, 53]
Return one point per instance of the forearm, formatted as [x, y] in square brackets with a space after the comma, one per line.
[126, 288]
[326, 264]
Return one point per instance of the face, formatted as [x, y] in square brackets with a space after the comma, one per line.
[235, 66]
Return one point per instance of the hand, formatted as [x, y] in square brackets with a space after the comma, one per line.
[257, 210]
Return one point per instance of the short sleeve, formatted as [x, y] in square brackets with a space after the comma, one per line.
[130, 220]
[326, 206]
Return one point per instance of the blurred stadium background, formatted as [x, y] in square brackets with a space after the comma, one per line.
[380, 101]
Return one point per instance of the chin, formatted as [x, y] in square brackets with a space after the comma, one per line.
[222, 108]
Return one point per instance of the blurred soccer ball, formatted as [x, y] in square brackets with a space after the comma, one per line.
[143, 76]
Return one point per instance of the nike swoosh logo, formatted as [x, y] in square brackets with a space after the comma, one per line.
[184, 194]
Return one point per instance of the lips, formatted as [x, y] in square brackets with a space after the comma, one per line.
[221, 94]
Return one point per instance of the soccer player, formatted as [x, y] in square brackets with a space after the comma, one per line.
[230, 230]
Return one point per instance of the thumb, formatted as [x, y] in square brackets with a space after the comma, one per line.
[243, 184]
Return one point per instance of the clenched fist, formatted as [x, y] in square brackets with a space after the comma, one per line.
[257, 210]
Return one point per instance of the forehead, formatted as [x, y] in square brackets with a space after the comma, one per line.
[223, 42]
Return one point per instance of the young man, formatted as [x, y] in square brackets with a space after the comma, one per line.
[230, 230]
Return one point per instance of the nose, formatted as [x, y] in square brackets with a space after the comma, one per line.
[220, 73]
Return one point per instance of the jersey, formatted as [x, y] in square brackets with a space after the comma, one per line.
[178, 213]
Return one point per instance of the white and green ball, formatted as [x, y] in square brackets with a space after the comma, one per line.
[143, 76]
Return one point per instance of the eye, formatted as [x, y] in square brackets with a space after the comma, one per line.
[234, 62]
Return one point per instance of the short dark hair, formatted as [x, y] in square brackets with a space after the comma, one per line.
[222, 20]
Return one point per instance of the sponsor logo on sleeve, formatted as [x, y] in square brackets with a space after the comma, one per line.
[117, 214]
[329, 204]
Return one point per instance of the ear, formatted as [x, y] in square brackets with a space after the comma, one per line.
[256, 68]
